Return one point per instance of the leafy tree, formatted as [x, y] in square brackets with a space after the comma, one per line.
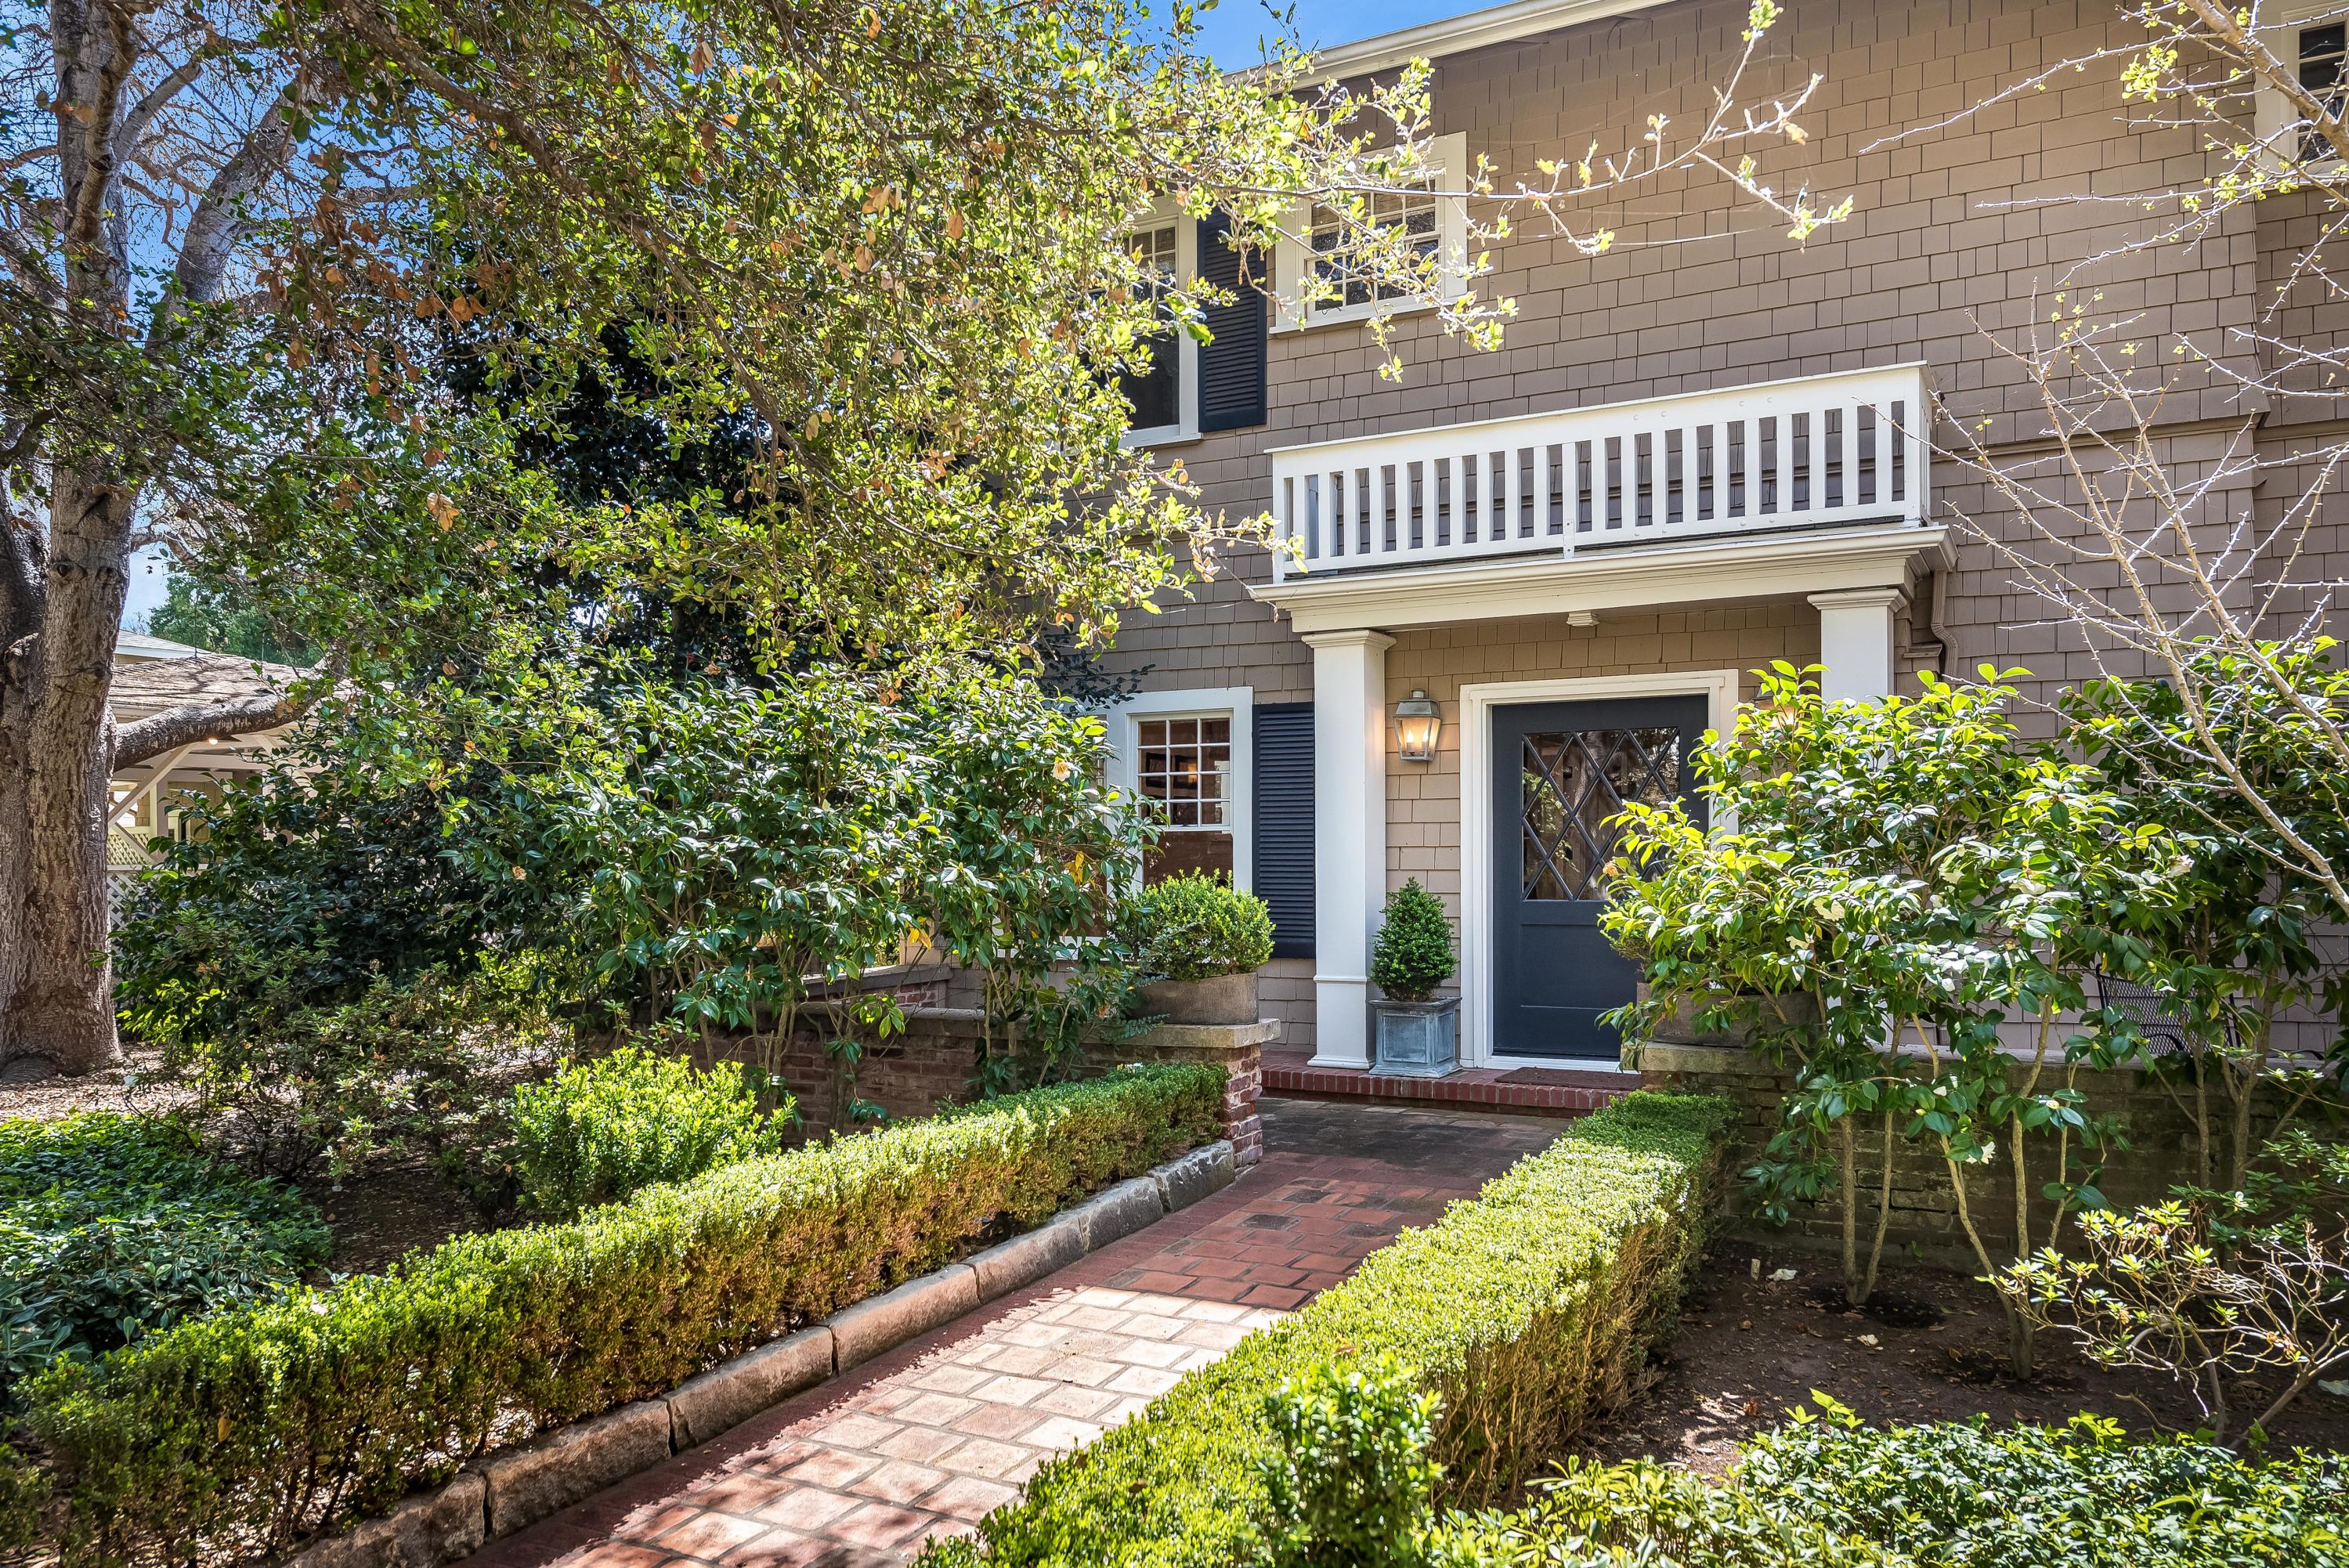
[1908, 890]
[205, 615]
[880, 243]
[2235, 945]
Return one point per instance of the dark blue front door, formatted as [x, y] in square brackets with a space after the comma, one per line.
[1560, 771]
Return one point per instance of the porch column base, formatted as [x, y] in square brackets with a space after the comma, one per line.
[1342, 1022]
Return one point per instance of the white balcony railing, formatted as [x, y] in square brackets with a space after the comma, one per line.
[1804, 453]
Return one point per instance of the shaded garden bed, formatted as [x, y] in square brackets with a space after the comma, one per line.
[1750, 1349]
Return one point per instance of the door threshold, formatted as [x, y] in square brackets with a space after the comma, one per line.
[1291, 1072]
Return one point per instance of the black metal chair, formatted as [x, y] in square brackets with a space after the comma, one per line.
[2166, 1031]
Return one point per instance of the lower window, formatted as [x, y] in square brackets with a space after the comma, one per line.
[1185, 765]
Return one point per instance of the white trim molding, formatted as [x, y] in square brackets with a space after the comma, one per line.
[1712, 571]
[1456, 35]
[1349, 836]
[1719, 688]
[1292, 256]
[2281, 22]
[1238, 703]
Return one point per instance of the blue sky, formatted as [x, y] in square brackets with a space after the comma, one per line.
[1229, 33]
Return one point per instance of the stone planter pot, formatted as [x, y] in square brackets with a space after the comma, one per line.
[1223, 999]
[1417, 1040]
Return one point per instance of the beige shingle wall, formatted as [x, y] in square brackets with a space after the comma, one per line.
[1949, 241]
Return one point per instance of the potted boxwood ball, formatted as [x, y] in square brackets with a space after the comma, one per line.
[1204, 940]
[1418, 1032]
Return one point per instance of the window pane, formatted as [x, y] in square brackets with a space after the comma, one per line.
[1177, 853]
[1157, 394]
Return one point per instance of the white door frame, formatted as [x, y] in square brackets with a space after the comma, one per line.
[1719, 688]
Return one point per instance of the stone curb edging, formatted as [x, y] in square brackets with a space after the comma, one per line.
[509, 1489]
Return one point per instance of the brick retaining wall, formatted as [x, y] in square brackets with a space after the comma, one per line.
[1924, 1210]
[935, 1061]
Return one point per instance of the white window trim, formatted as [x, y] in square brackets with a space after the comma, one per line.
[1293, 258]
[1236, 703]
[1162, 211]
[1719, 688]
[2279, 29]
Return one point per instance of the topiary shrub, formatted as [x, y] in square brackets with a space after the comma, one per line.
[601, 1130]
[1196, 926]
[1415, 953]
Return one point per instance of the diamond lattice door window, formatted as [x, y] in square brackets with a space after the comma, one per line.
[1567, 770]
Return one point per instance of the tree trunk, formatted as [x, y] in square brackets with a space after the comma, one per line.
[56, 1007]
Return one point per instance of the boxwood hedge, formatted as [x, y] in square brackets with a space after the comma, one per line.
[245, 1430]
[1526, 1311]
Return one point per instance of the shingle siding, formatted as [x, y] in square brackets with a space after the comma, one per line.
[1698, 293]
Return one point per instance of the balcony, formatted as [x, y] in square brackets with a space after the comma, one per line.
[1843, 451]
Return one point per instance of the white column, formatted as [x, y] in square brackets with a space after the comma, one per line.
[1349, 836]
[1855, 642]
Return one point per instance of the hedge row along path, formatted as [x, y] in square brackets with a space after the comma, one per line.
[925, 1439]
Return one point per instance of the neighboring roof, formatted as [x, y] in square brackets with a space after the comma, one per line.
[131, 646]
[1470, 30]
[150, 685]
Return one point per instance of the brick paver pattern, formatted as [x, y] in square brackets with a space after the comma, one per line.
[926, 1440]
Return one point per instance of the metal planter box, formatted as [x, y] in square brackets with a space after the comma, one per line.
[1418, 1039]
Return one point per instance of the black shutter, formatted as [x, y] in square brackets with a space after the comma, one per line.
[1231, 367]
[1283, 873]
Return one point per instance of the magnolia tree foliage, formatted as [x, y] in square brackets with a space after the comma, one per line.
[1904, 910]
[882, 241]
[736, 843]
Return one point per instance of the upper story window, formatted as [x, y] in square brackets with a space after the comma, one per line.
[2322, 50]
[1412, 213]
[2310, 36]
[1432, 224]
[1158, 394]
[1194, 388]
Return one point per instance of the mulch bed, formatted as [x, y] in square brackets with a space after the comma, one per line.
[380, 1217]
[1749, 1350]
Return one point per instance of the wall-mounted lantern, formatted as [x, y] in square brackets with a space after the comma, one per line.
[1417, 726]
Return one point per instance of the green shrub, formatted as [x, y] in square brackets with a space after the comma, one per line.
[113, 1227]
[240, 1431]
[1832, 1491]
[600, 1129]
[396, 1069]
[1413, 954]
[1350, 1481]
[1525, 1312]
[1196, 926]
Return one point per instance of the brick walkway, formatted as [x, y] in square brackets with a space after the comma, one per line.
[926, 1439]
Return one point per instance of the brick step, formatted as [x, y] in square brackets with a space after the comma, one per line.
[1536, 1091]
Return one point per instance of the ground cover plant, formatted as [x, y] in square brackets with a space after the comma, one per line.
[244, 1430]
[113, 1228]
[1525, 1312]
[1827, 1488]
